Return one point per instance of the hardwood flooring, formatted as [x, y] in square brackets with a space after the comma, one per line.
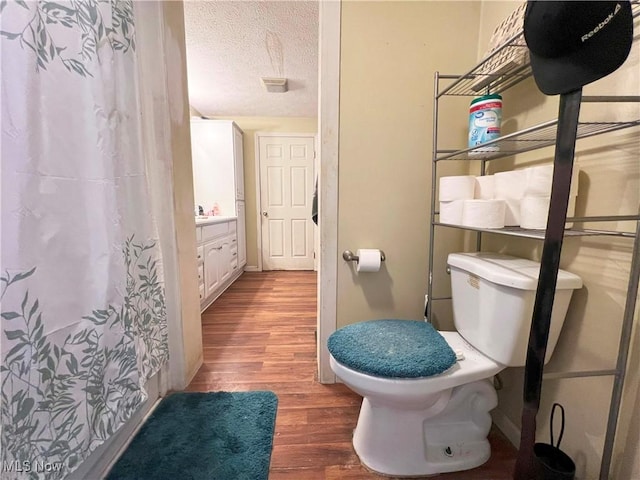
[260, 335]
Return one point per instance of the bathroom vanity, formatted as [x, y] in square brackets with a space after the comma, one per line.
[221, 257]
[218, 183]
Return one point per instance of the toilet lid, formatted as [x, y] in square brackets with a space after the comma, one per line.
[392, 348]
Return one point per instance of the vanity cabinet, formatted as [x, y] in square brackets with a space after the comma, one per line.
[217, 259]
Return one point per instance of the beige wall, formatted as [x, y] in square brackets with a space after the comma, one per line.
[389, 53]
[175, 56]
[608, 185]
[250, 126]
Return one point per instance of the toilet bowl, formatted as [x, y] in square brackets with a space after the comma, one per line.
[422, 425]
[447, 413]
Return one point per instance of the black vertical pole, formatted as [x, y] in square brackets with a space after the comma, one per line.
[526, 467]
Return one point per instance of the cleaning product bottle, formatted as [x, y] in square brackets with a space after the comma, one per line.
[485, 117]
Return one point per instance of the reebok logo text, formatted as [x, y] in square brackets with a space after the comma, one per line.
[587, 36]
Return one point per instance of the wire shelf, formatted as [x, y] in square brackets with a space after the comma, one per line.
[539, 234]
[533, 138]
[484, 76]
[507, 66]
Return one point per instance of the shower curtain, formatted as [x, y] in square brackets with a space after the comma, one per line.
[81, 286]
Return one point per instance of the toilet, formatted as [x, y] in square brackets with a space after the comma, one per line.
[427, 394]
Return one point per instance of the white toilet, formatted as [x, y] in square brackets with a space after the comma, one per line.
[437, 424]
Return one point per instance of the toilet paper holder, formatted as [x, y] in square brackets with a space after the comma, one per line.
[349, 256]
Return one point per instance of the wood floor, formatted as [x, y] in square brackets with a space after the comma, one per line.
[260, 335]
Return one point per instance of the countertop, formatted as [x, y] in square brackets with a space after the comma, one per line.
[202, 220]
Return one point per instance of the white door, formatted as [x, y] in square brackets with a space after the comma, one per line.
[286, 192]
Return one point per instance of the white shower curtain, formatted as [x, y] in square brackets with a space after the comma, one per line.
[82, 293]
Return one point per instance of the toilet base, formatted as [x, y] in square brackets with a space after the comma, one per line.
[448, 436]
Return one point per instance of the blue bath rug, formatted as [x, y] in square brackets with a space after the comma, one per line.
[392, 348]
[203, 436]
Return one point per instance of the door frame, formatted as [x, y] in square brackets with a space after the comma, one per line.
[259, 135]
[328, 150]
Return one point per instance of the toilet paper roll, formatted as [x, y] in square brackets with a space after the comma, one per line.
[510, 185]
[483, 213]
[458, 187]
[484, 188]
[511, 212]
[540, 179]
[451, 212]
[534, 212]
[369, 260]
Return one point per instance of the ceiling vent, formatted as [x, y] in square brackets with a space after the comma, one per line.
[275, 85]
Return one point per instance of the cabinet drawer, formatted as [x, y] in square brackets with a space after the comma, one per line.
[201, 290]
[200, 254]
[201, 275]
[213, 231]
[198, 234]
[234, 264]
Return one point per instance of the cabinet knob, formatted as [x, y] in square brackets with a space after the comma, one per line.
[265, 214]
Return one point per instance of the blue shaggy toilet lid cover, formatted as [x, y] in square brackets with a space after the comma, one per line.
[392, 348]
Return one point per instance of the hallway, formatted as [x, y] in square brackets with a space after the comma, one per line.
[260, 335]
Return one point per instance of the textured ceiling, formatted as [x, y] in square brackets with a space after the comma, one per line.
[232, 44]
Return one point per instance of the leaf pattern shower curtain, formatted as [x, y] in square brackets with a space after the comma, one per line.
[83, 322]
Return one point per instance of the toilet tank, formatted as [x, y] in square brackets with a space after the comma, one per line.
[493, 297]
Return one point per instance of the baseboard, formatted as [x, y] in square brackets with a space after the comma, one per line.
[251, 268]
[506, 426]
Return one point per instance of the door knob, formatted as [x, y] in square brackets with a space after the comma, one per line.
[265, 214]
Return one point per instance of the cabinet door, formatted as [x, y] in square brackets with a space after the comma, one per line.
[242, 235]
[238, 158]
[224, 266]
[212, 267]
